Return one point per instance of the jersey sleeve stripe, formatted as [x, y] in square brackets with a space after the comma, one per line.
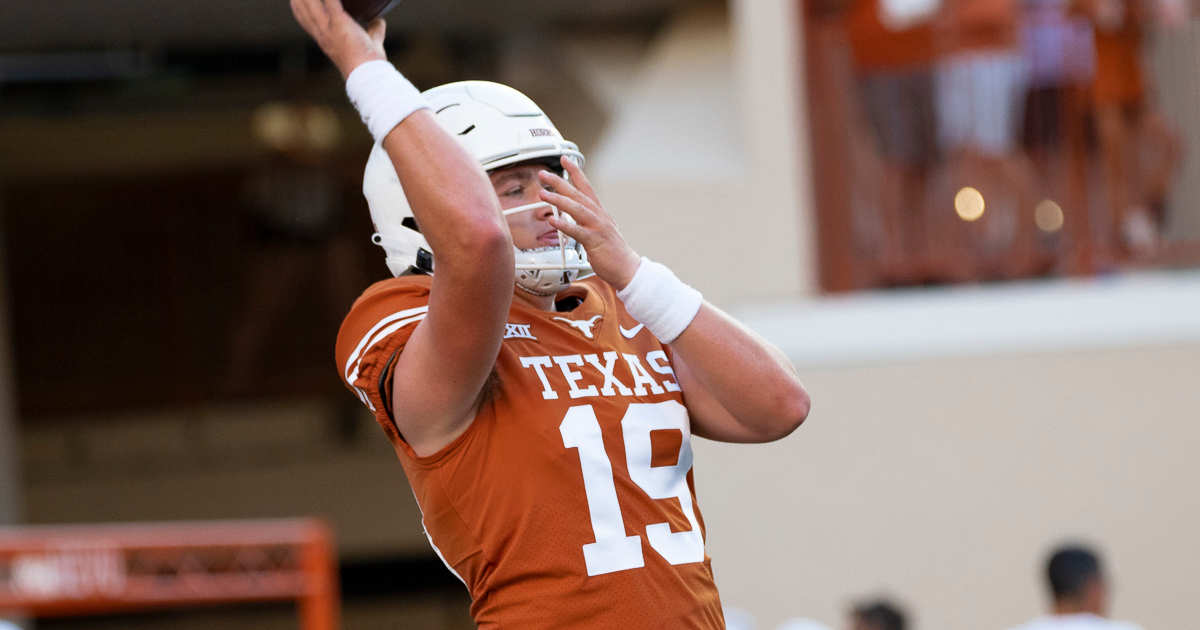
[370, 342]
[362, 345]
[362, 395]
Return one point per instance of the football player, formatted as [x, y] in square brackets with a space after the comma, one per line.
[543, 420]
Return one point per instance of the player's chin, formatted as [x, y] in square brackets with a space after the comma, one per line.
[529, 245]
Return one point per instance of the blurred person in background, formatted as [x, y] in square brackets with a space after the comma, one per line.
[980, 87]
[1060, 53]
[296, 203]
[1138, 149]
[892, 47]
[1079, 593]
[878, 614]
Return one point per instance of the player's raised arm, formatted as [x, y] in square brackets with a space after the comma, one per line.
[738, 387]
[450, 354]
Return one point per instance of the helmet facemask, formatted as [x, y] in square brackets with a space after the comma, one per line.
[548, 270]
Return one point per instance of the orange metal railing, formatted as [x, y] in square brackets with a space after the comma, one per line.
[48, 571]
[1004, 99]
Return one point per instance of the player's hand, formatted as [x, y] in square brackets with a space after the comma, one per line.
[610, 256]
[341, 38]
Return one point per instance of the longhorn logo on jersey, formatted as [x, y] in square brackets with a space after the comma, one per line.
[582, 325]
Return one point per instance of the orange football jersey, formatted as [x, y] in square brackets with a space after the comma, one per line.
[569, 502]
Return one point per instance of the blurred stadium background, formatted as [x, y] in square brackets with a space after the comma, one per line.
[1002, 355]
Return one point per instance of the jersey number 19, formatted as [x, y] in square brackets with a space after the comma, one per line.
[613, 550]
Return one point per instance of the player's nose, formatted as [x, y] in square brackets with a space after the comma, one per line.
[543, 212]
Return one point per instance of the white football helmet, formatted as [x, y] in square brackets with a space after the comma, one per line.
[500, 127]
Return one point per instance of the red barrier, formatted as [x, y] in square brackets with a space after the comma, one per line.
[48, 571]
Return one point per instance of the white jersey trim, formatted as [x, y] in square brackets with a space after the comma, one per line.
[425, 530]
[373, 337]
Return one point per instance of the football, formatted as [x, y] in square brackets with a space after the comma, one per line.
[366, 10]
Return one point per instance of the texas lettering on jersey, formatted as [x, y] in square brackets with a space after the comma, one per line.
[570, 500]
[601, 370]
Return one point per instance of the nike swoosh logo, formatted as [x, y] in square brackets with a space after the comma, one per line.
[631, 332]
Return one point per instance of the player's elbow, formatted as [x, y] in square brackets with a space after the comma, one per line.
[491, 251]
[791, 409]
[798, 405]
[479, 244]
[491, 241]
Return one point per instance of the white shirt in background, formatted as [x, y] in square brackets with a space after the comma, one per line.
[800, 623]
[1079, 621]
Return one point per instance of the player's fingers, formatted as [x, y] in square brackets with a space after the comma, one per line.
[312, 17]
[318, 16]
[377, 30]
[568, 189]
[573, 230]
[334, 7]
[302, 13]
[578, 211]
[579, 179]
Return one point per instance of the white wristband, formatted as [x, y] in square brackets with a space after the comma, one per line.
[656, 298]
[382, 96]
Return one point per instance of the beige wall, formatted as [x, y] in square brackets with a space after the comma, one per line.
[701, 161]
[945, 481]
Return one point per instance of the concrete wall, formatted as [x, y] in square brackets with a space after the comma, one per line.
[944, 482]
[701, 162]
[956, 435]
